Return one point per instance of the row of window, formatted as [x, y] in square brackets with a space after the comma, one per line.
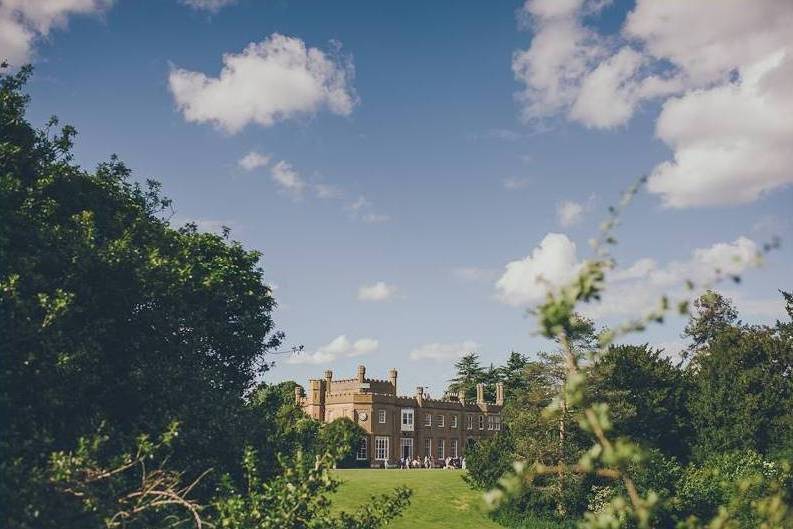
[381, 445]
[493, 421]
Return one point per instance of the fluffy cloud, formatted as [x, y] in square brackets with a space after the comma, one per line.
[339, 347]
[551, 264]
[269, 81]
[213, 6]
[443, 351]
[289, 180]
[22, 22]
[569, 213]
[253, 160]
[379, 291]
[725, 87]
[637, 288]
[732, 143]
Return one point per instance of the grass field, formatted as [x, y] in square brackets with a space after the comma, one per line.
[441, 499]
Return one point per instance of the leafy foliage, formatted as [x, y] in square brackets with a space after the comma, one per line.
[116, 323]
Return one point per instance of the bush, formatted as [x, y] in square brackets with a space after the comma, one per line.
[488, 460]
[737, 480]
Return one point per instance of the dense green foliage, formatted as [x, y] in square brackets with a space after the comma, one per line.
[119, 328]
[695, 421]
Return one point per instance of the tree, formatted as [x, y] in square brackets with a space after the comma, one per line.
[111, 316]
[712, 313]
[647, 395]
[469, 374]
[343, 437]
[743, 391]
[513, 374]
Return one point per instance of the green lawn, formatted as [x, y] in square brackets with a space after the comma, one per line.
[441, 499]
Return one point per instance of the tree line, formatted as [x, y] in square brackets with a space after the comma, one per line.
[717, 415]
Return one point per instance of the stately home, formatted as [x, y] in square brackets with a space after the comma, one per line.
[398, 426]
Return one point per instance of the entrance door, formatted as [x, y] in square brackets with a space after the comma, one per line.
[406, 445]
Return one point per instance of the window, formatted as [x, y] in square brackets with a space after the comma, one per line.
[440, 421]
[453, 419]
[381, 416]
[363, 450]
[491, 422]
[454, 448]
[381, 448]
[427, 419]
[439, 454]
[469, 422]
[406, 448]
[407, 419]
[428, 446]
[481, 422]
[498, 422]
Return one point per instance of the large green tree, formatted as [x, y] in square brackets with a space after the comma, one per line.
[468, 373]
[648, 397]
[110, 316]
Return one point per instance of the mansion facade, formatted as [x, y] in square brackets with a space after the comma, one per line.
[399, 426]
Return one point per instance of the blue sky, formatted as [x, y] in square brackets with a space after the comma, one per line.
[429, 145]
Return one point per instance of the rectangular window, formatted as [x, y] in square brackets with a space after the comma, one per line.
[439, 454]
[363, 450]
[454, 448]
[481, 422]
[428, 446]
[440, 421]
[498, 422]
[381, 416]
[469, 422]
[454, 422]
[427, 419]
[406, 448]
[381, 448]
[491, 422]
[407, 419]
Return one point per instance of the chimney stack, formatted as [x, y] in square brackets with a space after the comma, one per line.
[420, 395]
[480, 393]
[392, 377]
[298, 394]
[361, 373]
[328, 380]
[500, 394]
[461, 396]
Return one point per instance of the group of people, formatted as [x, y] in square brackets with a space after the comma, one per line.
[428, 462]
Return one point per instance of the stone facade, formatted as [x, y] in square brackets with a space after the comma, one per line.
[400, 426]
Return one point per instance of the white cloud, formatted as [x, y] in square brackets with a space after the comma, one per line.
[637, 288]
[269, 81]
[732, 143]
[443, 351]
[569, 213]
[22, 22]
[339, 347]
[379, 291]
[551, 264]
[513, 183]
[213, 6]
[726, 87]
[289, 180]
[253, 160]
